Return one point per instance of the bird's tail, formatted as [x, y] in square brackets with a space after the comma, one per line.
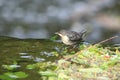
[83, 34]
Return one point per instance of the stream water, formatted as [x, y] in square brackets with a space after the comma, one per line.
[25, 52]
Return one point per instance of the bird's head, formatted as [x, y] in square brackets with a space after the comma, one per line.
[61, 33]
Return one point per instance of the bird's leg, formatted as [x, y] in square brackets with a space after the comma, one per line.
[73, 48]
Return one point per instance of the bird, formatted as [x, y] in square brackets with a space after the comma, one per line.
[70, 37]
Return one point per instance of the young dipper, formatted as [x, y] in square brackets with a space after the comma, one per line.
[70, 37]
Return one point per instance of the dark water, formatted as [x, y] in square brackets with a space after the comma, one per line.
[24, 52]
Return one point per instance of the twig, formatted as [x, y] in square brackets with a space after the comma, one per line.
[106, 40]
[90, 47]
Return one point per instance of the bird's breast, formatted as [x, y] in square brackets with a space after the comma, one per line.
[66, 40]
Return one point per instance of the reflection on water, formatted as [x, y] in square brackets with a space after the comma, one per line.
[35, 58]
[41, 18]
[27, 57]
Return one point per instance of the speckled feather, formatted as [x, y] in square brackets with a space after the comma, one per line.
[74, 36]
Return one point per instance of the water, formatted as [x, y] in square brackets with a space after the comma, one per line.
[25, 52]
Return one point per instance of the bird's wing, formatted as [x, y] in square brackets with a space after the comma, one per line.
[74, 36]
[83, 34]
